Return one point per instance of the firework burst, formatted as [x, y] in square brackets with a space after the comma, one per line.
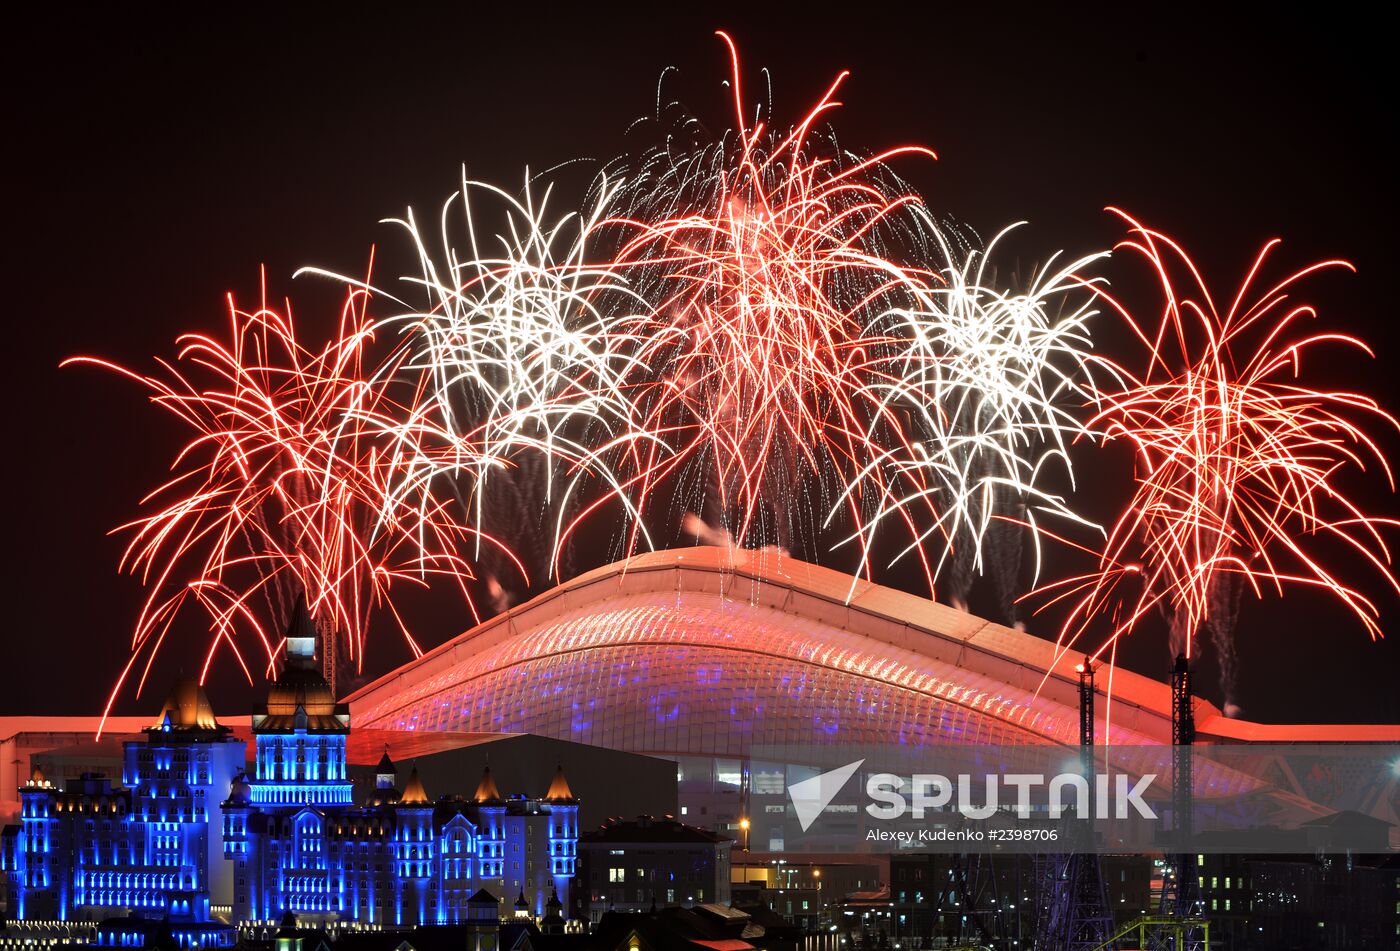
[990, 380]
[521, 372]
[766, 259]
[290, 485]
[1239, 461]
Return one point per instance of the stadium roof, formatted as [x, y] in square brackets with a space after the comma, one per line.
[706, 651]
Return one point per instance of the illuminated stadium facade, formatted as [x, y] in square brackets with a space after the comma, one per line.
[694, 657]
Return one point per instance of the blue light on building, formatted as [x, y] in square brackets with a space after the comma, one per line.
[94, 849]
[298, 842]
[190, 828]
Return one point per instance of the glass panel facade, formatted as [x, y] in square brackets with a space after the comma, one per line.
[691, 673]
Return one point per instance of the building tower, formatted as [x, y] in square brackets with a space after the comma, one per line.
[483, 922]
[414, 852]
[563, 832]
[386, 776]
[183, 767]
[277, 821]
[491, 831]
[301, 732]
[35, 890]
[553, 921]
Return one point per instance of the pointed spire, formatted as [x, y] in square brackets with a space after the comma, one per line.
[239, 790]
[486, 790]
[553, 921]
[559, 790]
[301, 634]
[386, 772]
[521, 902]
[414, 793]
[386, 765]
[299, 622]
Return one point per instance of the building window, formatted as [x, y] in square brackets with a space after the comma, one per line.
[616, 875]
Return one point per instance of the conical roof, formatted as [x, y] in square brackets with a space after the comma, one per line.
[486, 790]
[386, 765]
[521, 902]
[414, 793]
[559, 790]
[299, 622]
[186, 708]
[239, 790]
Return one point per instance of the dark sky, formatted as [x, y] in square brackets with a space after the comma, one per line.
[158, 158]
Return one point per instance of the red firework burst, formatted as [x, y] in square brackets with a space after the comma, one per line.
[763, 258]
[1237, 458]
[290, 485]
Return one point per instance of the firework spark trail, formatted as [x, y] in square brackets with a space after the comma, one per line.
[289, 485]
[1238, 461]
[523, 371]
[989, 379]
[765, 258]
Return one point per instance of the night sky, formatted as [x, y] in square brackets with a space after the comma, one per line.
[158, 159]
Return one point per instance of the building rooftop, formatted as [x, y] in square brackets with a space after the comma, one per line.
[645, 829]
[300, 697]
[793, 652]
[186, 708]
[559, 790]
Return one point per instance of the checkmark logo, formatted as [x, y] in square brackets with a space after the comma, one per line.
[811, 796]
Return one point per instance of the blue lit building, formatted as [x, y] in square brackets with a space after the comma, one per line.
[297, 841]
[96, 849]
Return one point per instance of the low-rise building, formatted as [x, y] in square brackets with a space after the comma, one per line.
[645, 863]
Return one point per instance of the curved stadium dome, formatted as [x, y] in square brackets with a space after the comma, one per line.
[754, 675]
[686, 653]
